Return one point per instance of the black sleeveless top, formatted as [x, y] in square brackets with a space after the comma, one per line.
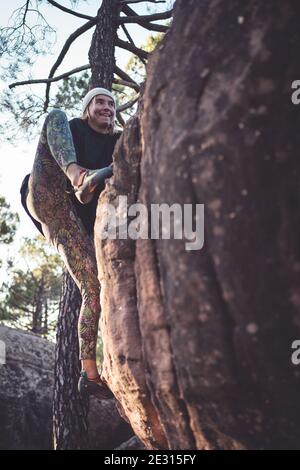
[93, 151]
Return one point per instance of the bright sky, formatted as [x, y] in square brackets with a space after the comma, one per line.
[16, 159]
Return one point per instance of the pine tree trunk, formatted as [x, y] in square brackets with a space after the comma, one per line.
[69, 411]
[38, 312]
[45, 319]
[102, 50]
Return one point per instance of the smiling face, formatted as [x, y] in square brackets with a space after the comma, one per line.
[101, 113]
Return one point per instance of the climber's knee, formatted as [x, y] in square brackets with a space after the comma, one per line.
[56, 114]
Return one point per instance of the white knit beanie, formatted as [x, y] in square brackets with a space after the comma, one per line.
[96, 91]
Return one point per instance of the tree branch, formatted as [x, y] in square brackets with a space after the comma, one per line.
[130, 39]
[125, 83]
[25, 13]
[127, 34]
[63, 52]
[120, 119]
[156, 16]
[160, 28]
[128, 105]
[67, 10]
[124, 75]
[129, 47]
[141, 1]
[144, 24]
[50, 80]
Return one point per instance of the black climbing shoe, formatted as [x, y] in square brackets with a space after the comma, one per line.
[88, 387]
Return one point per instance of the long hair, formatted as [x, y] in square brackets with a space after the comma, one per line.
[112, 128]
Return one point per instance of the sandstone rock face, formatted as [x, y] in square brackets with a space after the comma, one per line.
[197, 344]
[26, 391]
[123, 365]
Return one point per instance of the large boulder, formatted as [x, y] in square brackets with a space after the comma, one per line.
[26, 391]
[198, 343]
[26, 398]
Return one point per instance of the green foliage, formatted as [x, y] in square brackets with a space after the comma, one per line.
[71, 92]
[25, 110]
[30, 297]
[8, 222]
[28, 36]
[135, 66]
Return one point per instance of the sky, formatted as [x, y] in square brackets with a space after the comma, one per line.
[17, 158]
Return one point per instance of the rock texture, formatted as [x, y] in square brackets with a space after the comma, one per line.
[197, 344]
[26, 396]
[107, 429]
[26, 388]
[132, 444]
[123, 365]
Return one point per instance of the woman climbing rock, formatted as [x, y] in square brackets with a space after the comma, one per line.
[72, 161]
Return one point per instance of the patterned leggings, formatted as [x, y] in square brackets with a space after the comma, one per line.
[48, 202]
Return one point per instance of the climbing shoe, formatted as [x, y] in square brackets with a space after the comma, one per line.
[88, 387]
[88, 182]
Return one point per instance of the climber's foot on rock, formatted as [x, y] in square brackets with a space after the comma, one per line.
[93, 386]
[88, 182]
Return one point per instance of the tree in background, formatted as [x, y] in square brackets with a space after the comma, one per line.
[8, 223]
[30, 296]
[72, 89]
[29, 35]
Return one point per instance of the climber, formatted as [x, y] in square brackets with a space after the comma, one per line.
[72, 161]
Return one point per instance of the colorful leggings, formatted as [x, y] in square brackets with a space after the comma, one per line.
[48, 202]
